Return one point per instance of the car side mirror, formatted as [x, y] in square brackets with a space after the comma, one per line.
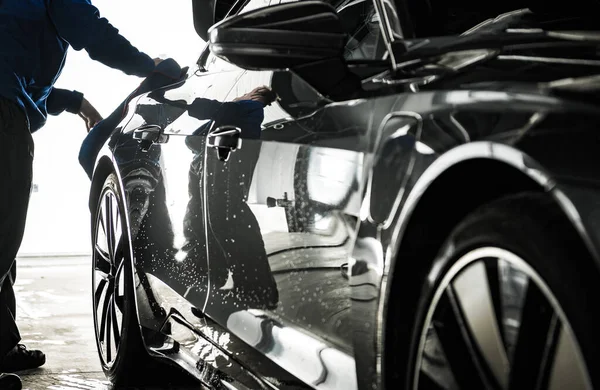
[280, 37]
[208, 12]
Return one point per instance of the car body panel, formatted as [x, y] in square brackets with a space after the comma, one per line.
[317, 207]
[369, 243]
[285, 259]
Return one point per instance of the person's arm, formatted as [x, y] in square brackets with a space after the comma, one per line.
[89, 114]
[202, 108]
[79, 23]
[248, 115]
[61, 100]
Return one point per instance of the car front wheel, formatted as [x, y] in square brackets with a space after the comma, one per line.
[118, 338]
[508, 304]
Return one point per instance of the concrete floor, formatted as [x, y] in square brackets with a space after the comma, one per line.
[54, 315]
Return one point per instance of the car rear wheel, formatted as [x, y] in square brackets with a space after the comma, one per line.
[118, 337]
[506, 304]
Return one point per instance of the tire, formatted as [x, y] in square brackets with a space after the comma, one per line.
[508, 303]
[122, 354]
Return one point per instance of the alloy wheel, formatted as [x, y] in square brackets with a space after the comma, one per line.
[108, 277]
[493, 323]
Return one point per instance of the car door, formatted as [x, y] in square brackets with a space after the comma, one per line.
[163, 188]
[281, 211]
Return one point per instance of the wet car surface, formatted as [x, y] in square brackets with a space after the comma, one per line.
[372, 210]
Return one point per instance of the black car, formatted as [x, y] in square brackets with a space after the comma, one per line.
[358, 194]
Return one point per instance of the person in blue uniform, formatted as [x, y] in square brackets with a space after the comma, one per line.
[34, 38]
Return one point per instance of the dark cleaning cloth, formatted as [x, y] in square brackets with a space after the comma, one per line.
[167, 73]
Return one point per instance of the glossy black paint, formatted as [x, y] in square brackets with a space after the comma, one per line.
[276, 37]
[208, 12]
[279, 267]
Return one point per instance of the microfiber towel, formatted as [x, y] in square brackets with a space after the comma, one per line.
[166, 73]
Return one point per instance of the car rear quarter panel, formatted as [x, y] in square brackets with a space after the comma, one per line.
[463, 149]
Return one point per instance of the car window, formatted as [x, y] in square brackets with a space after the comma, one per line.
[361, 22]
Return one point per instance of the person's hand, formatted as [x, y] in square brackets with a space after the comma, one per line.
[89, 114]
[157, 61]
[262, 94]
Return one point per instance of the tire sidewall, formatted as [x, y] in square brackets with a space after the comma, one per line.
[547, 257]
[119, 368]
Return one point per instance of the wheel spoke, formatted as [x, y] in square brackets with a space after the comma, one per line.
[536, 340]
[475, 299]
[104, 316]
[494, 324]
[119, 249]
[494, 282]
[105, 220]
[115, 323]
[513, 289]
[102, 263]
[568, 370]
[461, 356]
[427, 383]
[110, 234]
[436, 372]
[116, 229]
[120, 289]
[102, 217]
[108, 329]
[99, 290]
[101, 244]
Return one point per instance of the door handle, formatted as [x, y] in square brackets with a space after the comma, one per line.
[288, 206]
[148, 135]
[225, 139]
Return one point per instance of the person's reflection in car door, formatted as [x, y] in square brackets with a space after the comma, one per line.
[156, 184]
[299, 182]
[238, 266]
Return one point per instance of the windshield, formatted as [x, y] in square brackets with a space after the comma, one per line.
[431, 18]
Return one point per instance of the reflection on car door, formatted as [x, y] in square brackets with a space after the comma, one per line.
[162, 185]
[280, 212]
